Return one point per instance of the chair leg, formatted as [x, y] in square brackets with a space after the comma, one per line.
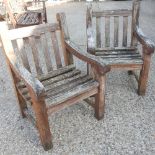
[100, 98]
[143, 78]
[22, 104]
[43, 124]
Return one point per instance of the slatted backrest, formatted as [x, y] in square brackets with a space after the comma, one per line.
[38, 48]
[112, 28]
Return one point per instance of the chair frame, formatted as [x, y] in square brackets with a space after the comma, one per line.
[36, 88]
[137, 36]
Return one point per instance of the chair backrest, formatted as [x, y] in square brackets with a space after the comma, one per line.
[112, 28]
[38, 48]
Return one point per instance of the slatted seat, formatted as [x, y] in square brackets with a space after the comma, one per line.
[41, 61]
[26, 17]
[115, 57]
[60, 87]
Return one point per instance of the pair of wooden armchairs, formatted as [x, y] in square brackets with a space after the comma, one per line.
[43, 81]
[26, 17]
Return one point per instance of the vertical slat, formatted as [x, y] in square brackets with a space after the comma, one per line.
[20, 45]
[107, 31]
[125, 28]
[98, 32]
[30, 56]
[46, 53]
[35, 54]
[56, 49]
[116, 28]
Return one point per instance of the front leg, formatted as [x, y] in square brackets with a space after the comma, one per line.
[143, 78]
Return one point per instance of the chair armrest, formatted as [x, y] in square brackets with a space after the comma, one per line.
[147, 44]
[32, 83]
[90, 59]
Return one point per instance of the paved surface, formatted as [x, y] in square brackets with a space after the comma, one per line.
[129, 124]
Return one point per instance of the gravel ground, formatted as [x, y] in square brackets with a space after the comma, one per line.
[128, 127]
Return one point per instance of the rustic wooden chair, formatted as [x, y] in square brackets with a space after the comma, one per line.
[40, 77]
[117, 45]
[26, 17]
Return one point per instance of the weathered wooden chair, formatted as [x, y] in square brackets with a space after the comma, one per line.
[26, 17]
[114, 36]
[40, 78]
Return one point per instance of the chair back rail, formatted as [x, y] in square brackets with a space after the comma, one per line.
[112, 28]
[38, 48]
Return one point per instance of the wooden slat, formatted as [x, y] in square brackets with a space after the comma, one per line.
[56, 49]
[68, 86]
[80, 89]
[30, 57]
[32, 31]
[46, 53]
[107, 31]
[110, 61]
[98, 32]
[125, 30]
[116, 32]
[60, 77]
[35, 55]
[20, 45]
[116, 49]
[64, 82]
[57, 72]
[71, 101]
[112, 13]
[117, 53]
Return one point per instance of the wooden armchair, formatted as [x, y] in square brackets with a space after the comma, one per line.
[26, 17]
[41, 79]
[118, 48]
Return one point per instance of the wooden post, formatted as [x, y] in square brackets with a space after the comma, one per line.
[21, 101]
[143, 78]
[68, 57]
[40, 109]
[135, 20]
[100, 96]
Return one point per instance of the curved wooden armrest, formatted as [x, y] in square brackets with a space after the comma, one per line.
[147, 43]
[33, 84]
[90, 59]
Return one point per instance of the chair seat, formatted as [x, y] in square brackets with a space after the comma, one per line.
[28, 18]
[62, 84]
[120, 57]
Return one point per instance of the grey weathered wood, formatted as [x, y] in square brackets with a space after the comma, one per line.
[68, 86]
[135, 20]
[35, 55]
[35, 30]
[46, 52]
[56, 50]
[98, 32]
[89, 30]
[125, 30]
[26, 17]
[60, 77]
[112, 13]
[116, 31]
[24, 58]
[59, 98]
[57, 72]
[107, 31]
